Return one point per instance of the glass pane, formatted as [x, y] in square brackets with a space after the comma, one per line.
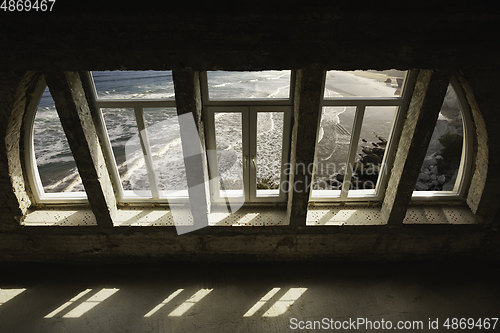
[269, 151]
[377, 124]
[166, 149]
[364, 84]
[122, 132]
[55, 162]
[440, 167]
[332, 150]
[134, 84]
[228, 138]
[240, 85]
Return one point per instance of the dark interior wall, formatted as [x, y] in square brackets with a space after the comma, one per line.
[427, 35]
[347, 35]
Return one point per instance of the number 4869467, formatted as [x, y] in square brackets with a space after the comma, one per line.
[470, 323]
[27, 5]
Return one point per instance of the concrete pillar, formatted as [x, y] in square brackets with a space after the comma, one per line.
[16, 90]
[76, 119]
[481, 89]
[427, 99]
[309, 87]
[189, 110]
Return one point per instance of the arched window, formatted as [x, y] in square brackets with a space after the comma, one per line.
[50, 165]
[446, 169]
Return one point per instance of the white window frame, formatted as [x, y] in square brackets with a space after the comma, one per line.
[249, 152]
[465, 169]
[138, 105]
[39, 195]
[346, 195]
[248, 107]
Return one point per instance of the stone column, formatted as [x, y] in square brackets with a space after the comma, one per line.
[426, 101]
[16, 90]
[76, 119]
[481, 90]
[309, 87]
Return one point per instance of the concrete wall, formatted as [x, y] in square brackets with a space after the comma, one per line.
[457, 38]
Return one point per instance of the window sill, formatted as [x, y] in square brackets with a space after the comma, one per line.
[65, 216]
[335, 215]
[251, 216]
[439, 214]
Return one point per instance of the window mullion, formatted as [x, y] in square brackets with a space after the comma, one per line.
[353, 148]
[249, 130]
[146, 150]
[213, 167]
[285, 162]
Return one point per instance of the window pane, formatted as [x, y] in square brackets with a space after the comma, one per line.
[55, 162]
[228, 137]
[377, 124]
[122, 130]
[241, 85]
[332, 150]
[269, 151]
[364, 84]
[440, 167]
[134, 84]
[166, 149]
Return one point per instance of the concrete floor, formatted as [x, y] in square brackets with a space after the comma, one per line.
[244, 297]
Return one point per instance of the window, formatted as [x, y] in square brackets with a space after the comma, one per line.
[447, 165]
[361, 117]
[248, 151]
[138, 121]
[49, 161]
[248, 119]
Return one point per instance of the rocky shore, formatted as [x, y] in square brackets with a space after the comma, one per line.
[367, 168]
[438, 173]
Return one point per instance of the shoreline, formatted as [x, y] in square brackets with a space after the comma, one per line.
[381, 76]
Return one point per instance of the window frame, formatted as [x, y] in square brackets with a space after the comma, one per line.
[31, 166]
[249, 152]
[138, 105]
[464, 174]
[279, 104]
[249, 107]
[402, 102]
